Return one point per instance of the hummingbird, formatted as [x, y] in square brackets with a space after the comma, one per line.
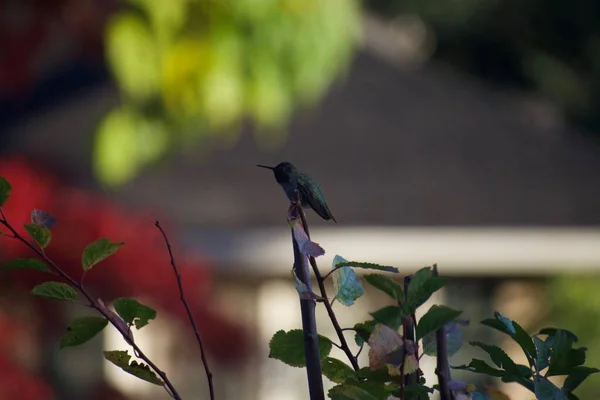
[293, 181]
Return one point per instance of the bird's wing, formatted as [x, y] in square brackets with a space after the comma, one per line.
[320, 207]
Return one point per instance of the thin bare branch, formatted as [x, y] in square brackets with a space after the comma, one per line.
[209, 375]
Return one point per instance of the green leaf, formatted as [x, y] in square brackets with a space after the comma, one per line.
[554, 331]
[288, 347]
[55, 290]
[577, 376]
[350, 391]
[366, 265]
[346, 284]
[435, 319]
[98, 251]
[336, 370]
[525, 341]
[25, 263]
[542, 361]
[367, 374]
[515, 331]
[386, 285]
[363, 331]
[5, 190]
[481, 367]
[454, 340]
[39, 233]
[499, 357]
[421, 286]
[121, 359]
[564, 357]
[390, 316]
[81, 330]
[546, 390]
[134, 312]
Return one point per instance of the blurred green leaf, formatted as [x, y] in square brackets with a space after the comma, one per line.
[336, 370]
[481, 367]
[349, 391]
[132, 55]
[435, 318]
[563, 356]
[121, 359]
[366, 265]
[421, 286]
[39, 233]
[288, 347]
[98, 251]
[346, 285]
[55, 291]
[81, 330]
[454, 339]
[390, 316]
[577, 376]
[363, 331]
[499, 357]
[133, 311]
[546, 390]
[386, 285]
[543, 354]
[25, 263]
[5, 190]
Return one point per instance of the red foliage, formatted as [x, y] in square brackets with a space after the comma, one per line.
[140, 269]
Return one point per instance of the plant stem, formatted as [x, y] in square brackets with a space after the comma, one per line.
[309, 328]
[209, 375]
[408, 326]
[328, 307]
[94, 304]
[442, 369]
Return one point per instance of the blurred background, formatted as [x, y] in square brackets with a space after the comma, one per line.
[462, 133]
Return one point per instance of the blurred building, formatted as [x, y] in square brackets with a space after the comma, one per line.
[420, 165]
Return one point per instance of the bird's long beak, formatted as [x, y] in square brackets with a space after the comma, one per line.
[264, 166]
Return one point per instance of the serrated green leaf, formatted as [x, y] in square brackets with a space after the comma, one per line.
[336, 370]
[140, 370]
[421, 286]
[98, 251]
[542, 361]
[563, 357]
[553, 331]
[349, 391]
[288, 347]
[55, 291]
[546, 390]
[435, 318]
[363, 331]
[25, 263]
[133, 311]
[525, 341]
[346, 284]
[389, 315]
[386, 285]
[481, 367]
[499, 357]
[40, 234]
[81, 330]
[5, 190]
[577, 376]
[515, 331]
[366, 265]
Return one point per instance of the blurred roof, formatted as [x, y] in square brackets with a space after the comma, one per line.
[388, 146]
